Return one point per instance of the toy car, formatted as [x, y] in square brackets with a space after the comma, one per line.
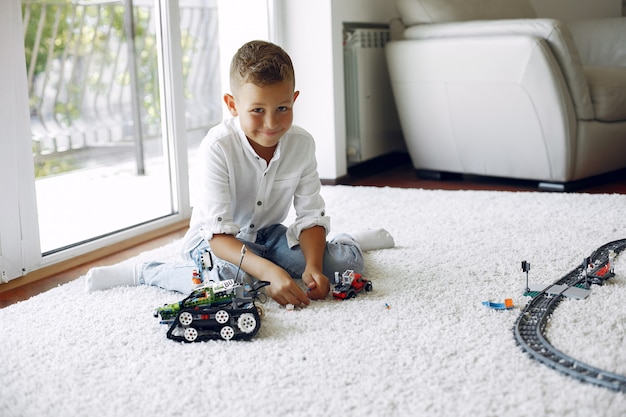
[350, 284]
[219, 310]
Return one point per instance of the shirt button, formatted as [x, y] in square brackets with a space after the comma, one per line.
[258, 203]
[251, 226]
[219, 219]
[323, 213]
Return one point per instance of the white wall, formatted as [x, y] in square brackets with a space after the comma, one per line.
[239, 21]
[569, 10]
[311, 32]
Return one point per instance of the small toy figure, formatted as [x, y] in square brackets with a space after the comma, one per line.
[507, 305]
[350, 284]
[612, 256]
[196, 279]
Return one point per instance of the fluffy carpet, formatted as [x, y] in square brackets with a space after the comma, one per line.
[421, 343]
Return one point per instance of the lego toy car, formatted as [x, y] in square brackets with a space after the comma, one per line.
[214, 293]
[218, 310]
[350, 284]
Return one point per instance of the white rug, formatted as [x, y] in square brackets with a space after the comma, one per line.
[420, 344]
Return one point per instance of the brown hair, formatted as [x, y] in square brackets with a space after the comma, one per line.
[260, 63]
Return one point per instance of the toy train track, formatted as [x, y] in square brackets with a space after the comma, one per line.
[530, 325]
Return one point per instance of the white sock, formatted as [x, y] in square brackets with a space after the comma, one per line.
[372, 239]
[105, 277]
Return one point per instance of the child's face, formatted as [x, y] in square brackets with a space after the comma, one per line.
[265, 113]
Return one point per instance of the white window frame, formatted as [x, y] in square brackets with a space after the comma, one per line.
[19, 238]
[20, 251]
[173, 102]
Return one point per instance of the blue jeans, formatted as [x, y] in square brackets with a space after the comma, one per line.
[341, 253]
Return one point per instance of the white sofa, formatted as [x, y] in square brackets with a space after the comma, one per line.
[485, 87]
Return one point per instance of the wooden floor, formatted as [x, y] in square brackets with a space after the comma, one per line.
[395, 171]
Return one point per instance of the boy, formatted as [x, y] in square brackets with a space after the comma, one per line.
[253, 166]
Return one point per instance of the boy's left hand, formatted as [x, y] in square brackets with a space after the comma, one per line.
[317, 284]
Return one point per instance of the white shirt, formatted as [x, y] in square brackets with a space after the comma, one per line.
[240, 193]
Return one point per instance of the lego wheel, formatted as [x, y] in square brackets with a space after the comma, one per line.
[185, 318]
[260, 311]
[190, 334]
[227, 332]
[247, 323]
[221, 316]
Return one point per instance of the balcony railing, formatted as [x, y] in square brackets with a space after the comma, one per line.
[91, 87]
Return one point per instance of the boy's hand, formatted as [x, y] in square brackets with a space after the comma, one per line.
[313, 243]
[317, 283]
[283, 289]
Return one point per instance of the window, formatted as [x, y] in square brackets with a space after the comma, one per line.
[101, 156]
[112, 110]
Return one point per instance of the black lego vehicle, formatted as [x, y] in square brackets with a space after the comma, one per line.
[218, 310]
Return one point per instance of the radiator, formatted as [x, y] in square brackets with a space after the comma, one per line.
[372, 126]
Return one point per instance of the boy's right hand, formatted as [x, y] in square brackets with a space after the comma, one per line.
[283, 289]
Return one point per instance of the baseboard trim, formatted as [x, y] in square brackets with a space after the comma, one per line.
[368, 168]
[100, 254]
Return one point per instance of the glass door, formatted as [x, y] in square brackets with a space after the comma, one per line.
[101, 85]
[95, 119]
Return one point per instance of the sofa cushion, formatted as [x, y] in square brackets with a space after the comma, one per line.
[608, 92]
[600, 42]
[438, 11]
